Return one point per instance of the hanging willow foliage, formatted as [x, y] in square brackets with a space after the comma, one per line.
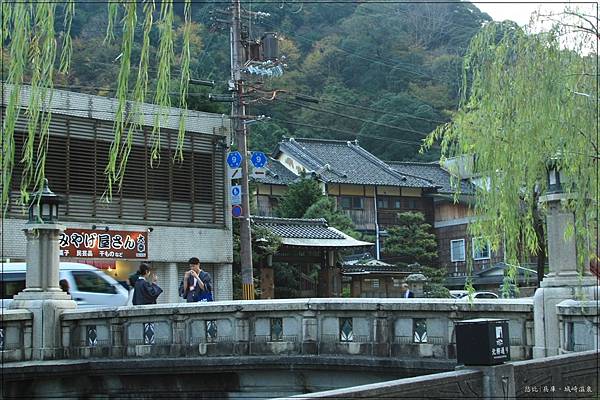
[166, 56]
[526, 100]
[28, 29]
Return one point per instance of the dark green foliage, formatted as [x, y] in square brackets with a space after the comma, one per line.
[287, 281]
[411, 240]
[382, 63]
[434, 287]
[298, 198]
[325, 208]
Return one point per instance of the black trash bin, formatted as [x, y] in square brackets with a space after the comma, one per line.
[482, 341]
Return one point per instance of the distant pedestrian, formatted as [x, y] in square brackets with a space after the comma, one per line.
[64, 285]
[406, 292]
[197, 284]
[192, 284]
[146, 292]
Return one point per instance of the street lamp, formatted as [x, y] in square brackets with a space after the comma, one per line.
[44, 206]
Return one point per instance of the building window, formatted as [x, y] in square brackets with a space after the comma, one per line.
[457, 250]
[383, 202]
[481, 249]
[387, 202]
[351, 203]
[411, 204]
[372, 283]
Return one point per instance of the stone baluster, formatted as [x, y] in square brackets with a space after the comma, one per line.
[381, 334]
[117, 337]
[242, 333]
[310, 331]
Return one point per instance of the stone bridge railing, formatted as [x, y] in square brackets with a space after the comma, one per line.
[405, 328]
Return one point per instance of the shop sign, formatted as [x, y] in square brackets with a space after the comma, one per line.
[87, 243]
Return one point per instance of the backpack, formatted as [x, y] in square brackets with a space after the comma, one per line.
[133, 278]
[181, 291]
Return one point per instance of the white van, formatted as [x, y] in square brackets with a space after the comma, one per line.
[88, 285]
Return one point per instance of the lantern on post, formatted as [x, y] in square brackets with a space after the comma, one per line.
[43, 208]
[554, 176]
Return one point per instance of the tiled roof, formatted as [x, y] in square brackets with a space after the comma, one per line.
[276, 174]
[297, 227]
[306, 232]
[338, 161]
[432, 172]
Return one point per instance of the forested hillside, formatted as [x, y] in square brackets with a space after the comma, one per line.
[385, 74]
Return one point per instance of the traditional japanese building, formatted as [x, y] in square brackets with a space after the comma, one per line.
[451, 220]
[314, 248]
[163, 214]
[365, 188]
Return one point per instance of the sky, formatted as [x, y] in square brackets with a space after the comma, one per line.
[520, 11]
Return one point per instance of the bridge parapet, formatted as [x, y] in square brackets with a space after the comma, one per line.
[404, 328]
[16, 335]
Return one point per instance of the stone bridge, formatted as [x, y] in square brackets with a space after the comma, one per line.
[271, 348]
[414, 329]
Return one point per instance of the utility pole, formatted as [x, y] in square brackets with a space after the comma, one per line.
[238, 111]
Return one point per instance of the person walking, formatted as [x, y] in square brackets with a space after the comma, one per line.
[146, 292]
[407, 293]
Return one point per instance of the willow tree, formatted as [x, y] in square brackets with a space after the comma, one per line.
[36, 50]
[527, 99]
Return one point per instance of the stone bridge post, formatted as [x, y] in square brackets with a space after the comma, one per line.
[117, 337]
[381, 335]
[563, 282]
[242, 334]
[310, 332]
[178, 323]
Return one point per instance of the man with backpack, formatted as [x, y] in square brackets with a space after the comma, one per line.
[196, 284]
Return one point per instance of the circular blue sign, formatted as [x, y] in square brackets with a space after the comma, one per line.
[235, 190]
[258, 159]
[234, 159]
[236, 211]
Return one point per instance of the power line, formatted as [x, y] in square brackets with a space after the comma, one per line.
[397, 114]
[352, 134]
[355, 118]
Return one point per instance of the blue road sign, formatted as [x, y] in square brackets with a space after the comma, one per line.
[236, 194]
[258, 159]
[234, 159]
[236, 211]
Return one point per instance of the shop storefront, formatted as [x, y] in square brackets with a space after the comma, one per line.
[162, 215]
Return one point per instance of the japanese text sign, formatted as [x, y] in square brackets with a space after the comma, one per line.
[84, 243]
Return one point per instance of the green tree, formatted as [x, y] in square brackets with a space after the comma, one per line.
[298, 198]
[411, 240]
[434, 287]
[526, 99]
[325, 208]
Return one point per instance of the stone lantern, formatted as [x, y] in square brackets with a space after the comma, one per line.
[42, 294]
[563, 281]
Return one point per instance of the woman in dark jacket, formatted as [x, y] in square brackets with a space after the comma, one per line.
[145, 292]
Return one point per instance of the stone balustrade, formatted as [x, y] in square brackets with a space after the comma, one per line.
[578, 322]
[406, 328]
[16, 335]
